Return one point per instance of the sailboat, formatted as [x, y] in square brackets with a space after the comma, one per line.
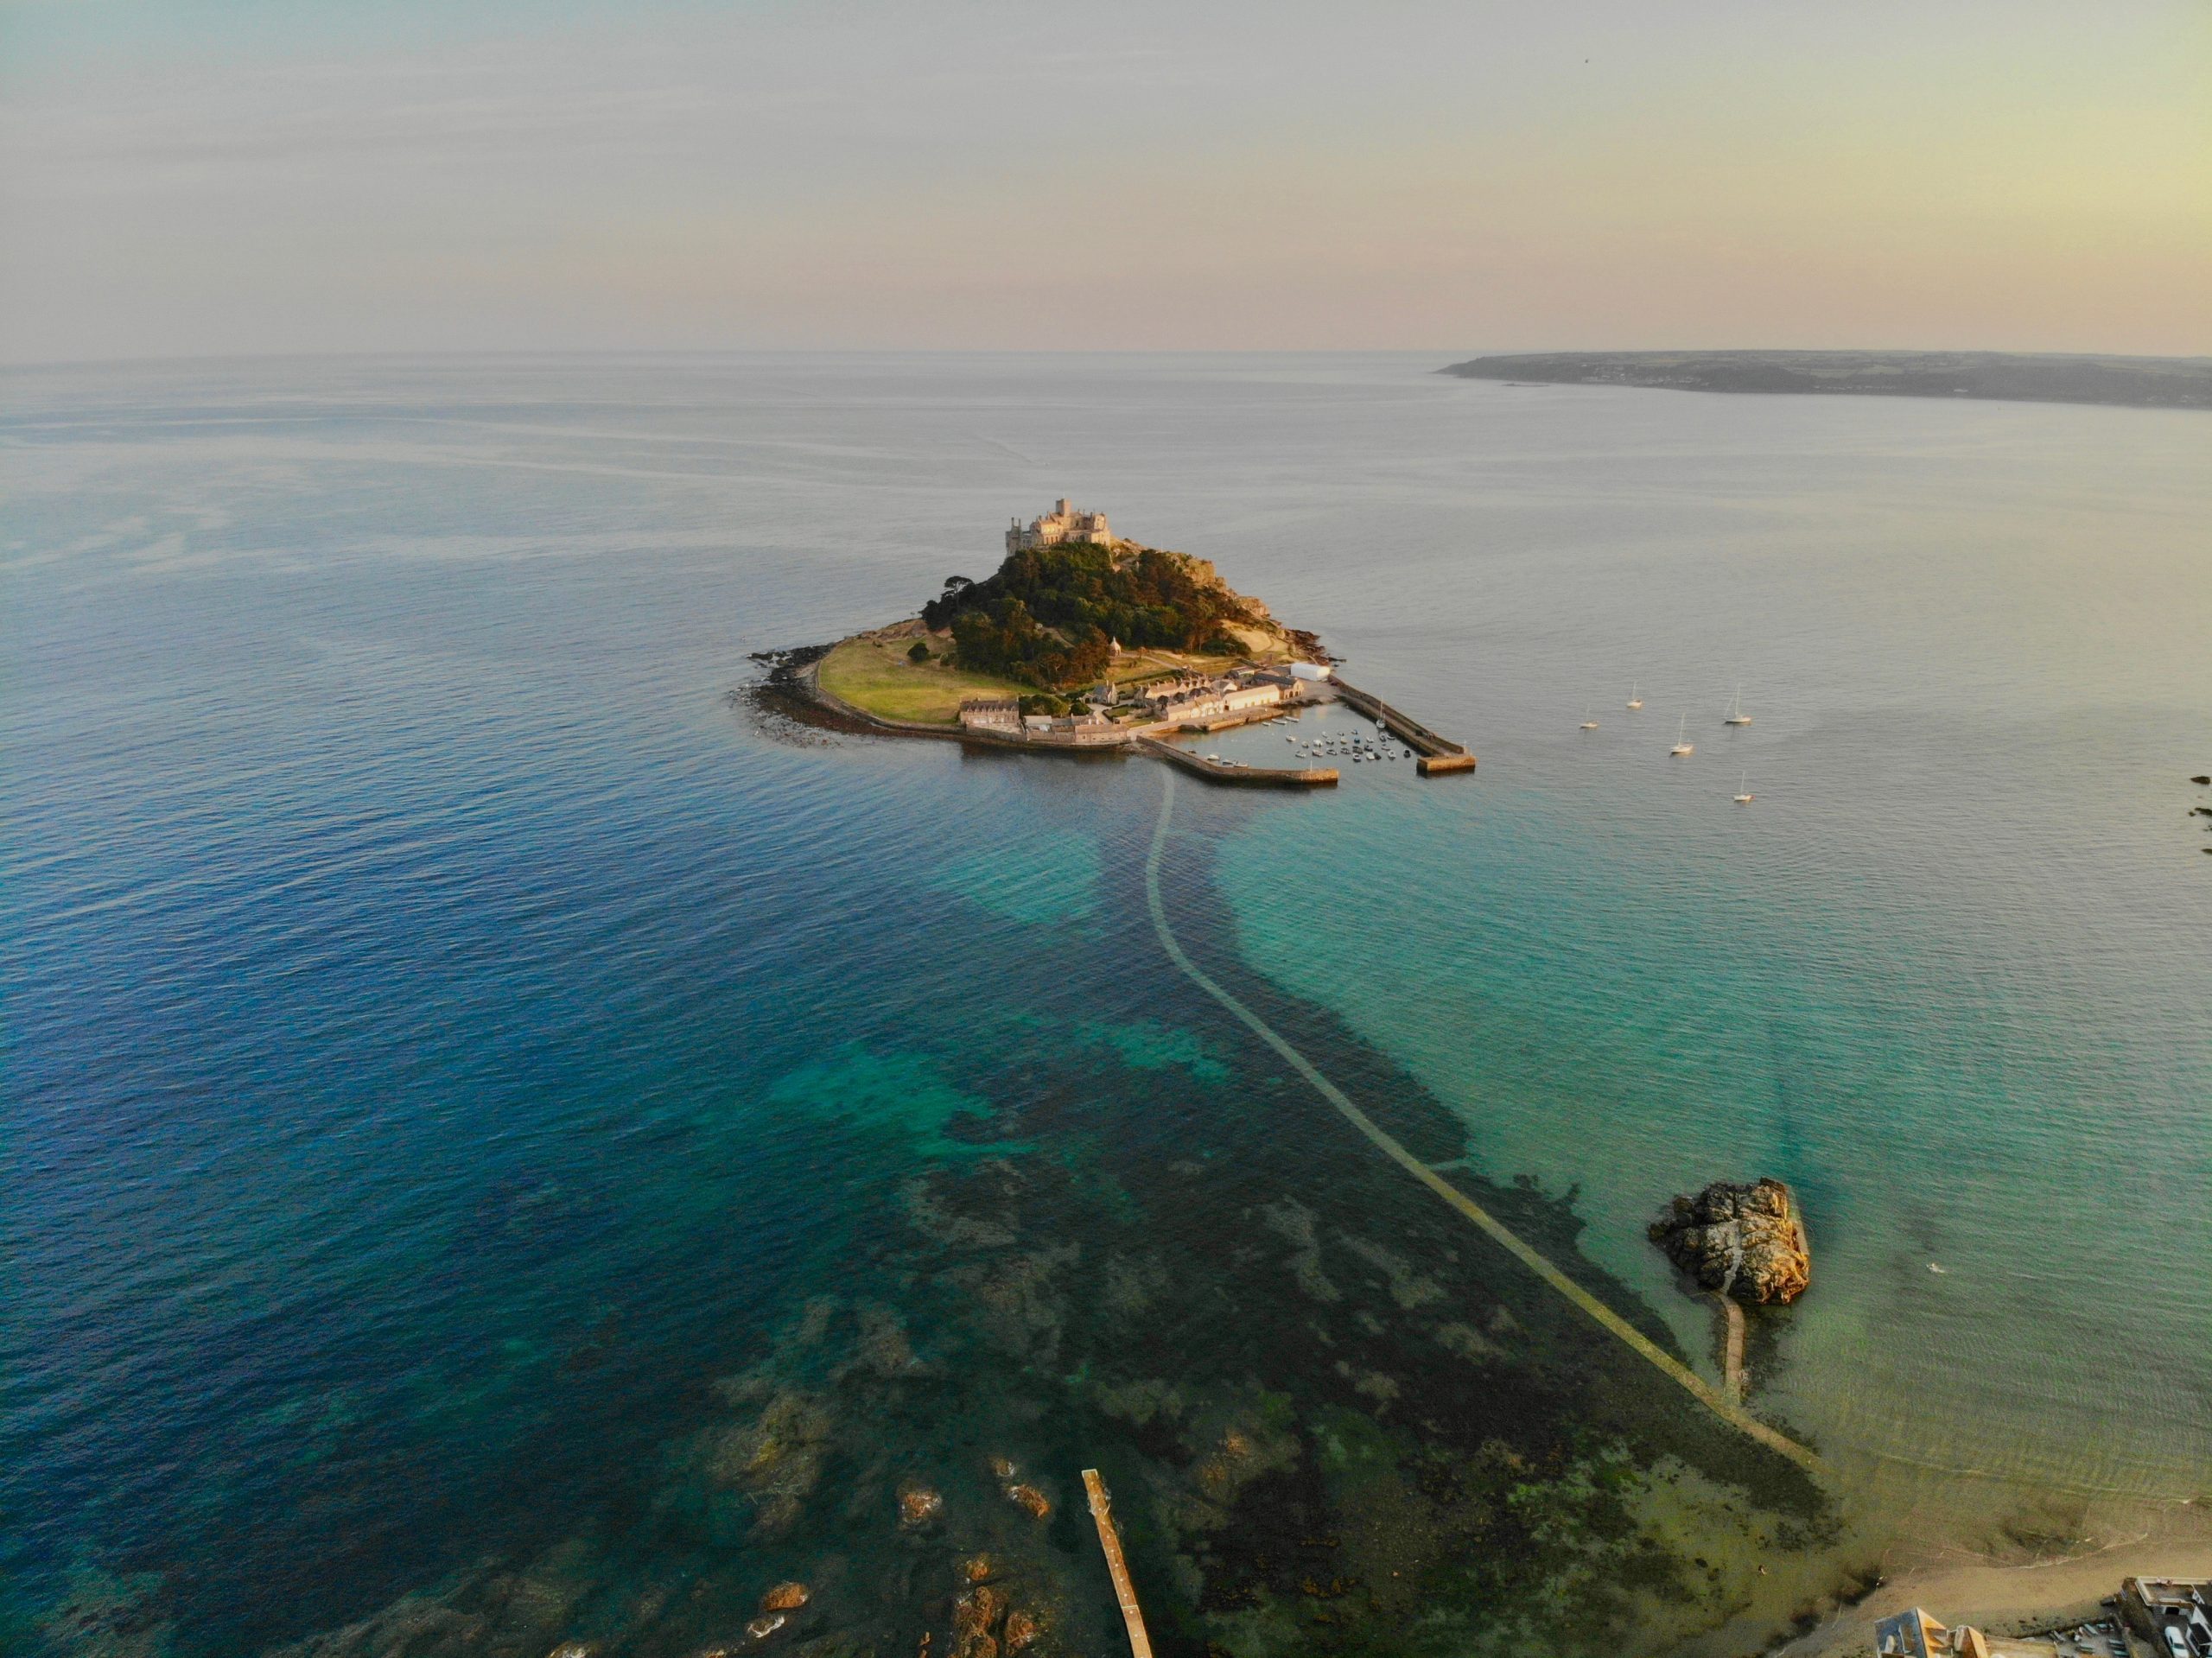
[1736, 714]
[1744, 798]
[1634, 700]
[1588, 724]
[1682, 745]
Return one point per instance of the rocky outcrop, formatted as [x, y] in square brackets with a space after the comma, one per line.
[1030, 1500]
[976, 1615]
[1747, 1241]
[918, 1505]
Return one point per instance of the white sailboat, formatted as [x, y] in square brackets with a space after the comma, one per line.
[1588, 724]
[1744, 798]
[1736, 714]
[1634, 700]
[1682, 745]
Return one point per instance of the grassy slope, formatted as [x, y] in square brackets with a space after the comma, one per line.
[874, 675]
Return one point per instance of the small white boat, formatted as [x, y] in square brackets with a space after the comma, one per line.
[1634, 700]
[1744, 786]
[1682, 745]
[1736, 714]
[1588, 724]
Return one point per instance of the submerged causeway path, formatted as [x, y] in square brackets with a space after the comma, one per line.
[1722, 1405]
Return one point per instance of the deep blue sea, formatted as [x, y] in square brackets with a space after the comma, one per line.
[506, 1142]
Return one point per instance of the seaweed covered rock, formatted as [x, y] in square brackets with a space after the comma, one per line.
[918, 1505]
[1747, 1241]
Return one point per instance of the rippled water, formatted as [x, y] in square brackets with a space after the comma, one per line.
[476, 1095]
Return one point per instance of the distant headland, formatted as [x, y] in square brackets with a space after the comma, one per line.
[2131, 382]
[1083, 641]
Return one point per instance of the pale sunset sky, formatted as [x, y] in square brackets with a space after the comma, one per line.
[191, 178]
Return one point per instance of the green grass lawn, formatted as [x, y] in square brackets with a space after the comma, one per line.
[876, 676]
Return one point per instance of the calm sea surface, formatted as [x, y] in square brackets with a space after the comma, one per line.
[505, 1143]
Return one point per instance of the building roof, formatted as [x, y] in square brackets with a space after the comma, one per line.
[1910, 1634]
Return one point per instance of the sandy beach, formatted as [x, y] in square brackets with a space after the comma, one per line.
[2002, 1595]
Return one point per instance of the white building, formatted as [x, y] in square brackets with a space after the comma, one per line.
[1241, 697]
[1192, 699]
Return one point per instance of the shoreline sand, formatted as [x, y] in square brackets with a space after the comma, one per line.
[2010, 1597]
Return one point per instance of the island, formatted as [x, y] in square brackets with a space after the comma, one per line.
[1085, 642]
[2132, 382]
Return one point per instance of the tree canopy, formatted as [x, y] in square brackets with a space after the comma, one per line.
[1048, 614]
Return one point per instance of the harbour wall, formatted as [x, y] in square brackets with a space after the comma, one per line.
[1116, 741]
[1248, 777]
[1439, 755]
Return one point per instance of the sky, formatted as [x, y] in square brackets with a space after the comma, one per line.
[190, 179]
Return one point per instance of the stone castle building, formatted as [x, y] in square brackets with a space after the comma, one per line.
[1062, 523]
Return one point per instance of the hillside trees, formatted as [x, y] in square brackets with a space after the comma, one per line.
[1047, 614]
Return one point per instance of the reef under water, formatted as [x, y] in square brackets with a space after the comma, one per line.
[1335, 1418]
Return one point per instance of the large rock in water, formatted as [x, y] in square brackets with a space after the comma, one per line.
[1746, 1241]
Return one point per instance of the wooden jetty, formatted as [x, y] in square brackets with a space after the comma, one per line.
[1439, 755]
[1248, 777]
[1109, 1540]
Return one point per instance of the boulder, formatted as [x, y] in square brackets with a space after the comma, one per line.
[976, 1617]
[785, 1598]
[1747, 1241]
[918, 1505]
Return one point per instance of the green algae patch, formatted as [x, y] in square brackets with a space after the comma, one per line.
[1146, 1045]
[897, 1096]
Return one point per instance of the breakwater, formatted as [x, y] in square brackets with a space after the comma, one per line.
[1439, 755]
[1248, 777]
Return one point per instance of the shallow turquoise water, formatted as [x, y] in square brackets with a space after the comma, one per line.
[445, 1036]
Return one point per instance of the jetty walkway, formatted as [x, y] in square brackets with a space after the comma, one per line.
[1439, 755]
[1713, 1399]
[1250, 777]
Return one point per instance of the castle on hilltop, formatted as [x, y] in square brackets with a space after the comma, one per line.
[1062, 523]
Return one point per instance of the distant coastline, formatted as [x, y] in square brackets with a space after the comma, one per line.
[2123, 382]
